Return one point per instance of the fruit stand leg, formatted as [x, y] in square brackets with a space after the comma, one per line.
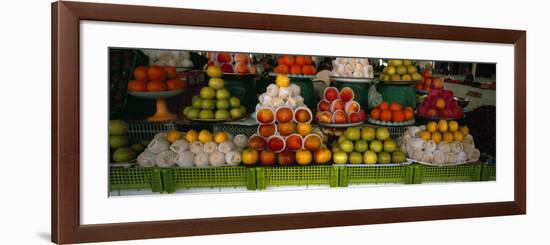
[156, 180]
[409, 174]
[342, 176]
[251, 179]
[335, 176]
[162, 114]
[260, 178]
[167, 181]
[417, 174]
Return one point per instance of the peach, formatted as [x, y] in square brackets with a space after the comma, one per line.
[339, 116]
[323, 105]
[265, 115]
[286, 129]
[354, 117]
[337, 105]
[352, 106]
[286, 158]
[312, 142]
[242, 58]
[242, 68]
[275, 143]
[331, 93]
[294, 142]
[267, 129]
[257, 142]
[284, 114]
[224, 58]
[227, 68]
[362, 115]
[347, 94]
[268, 158]
[325, 117]
[302, 115]
[322, 156]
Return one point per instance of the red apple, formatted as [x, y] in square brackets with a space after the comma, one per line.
[294, 142]
[331, 93]
[286, 158]
[337, 105]
[354, 117]
[323, 105]
[224, 58]
[276, 143]
[302, 115]
[325, 117]
[265, 115]
[284, 114]
[257, 142]
[346, 94]
[432, 113]
[268, 158]
[227, 68]
[339, 116]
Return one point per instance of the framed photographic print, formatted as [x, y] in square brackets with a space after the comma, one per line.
[176, 122]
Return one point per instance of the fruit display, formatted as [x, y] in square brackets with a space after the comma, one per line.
[352, 67]
[169, 57]
[428, 82]
[156, 78]
[295, 65]
[214, 102]
[366, 145]
[400, 70]
[391, 114]
[339, 107]
[193, 149]
[439, 143]
[440, 104]
[281, 93]
[121, 148]
[232, 63]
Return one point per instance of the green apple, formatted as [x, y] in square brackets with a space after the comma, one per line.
[352, 133]
[384, 157]
[207, 93]
[346, 145]
[208, 104]
[222, 94]
[222, 104]
[221, 115]
[382, 133]
[340, 157]
[138, 147]
[398, 157]
[196, 103]
[235, 102]
[361, 146]
[370, 157]
[236, 113]
[117, 141]
[195, 98]
[118, 127]
[355, 158]
[341, 138]
[206, 114]
[389, 145]
[186, 110]
[193, 113]
[242, 109]
[215, 83]
[124, 154]
[368, 133]
[376, 146]
[335, 147]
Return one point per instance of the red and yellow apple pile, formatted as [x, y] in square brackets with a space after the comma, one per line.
[366, 145]
[441, 104]
[339, 107]
[237, 63]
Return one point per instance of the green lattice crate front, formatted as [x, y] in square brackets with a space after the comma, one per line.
[489, 173]
[350, 175]
[466, 172]
[235, 129]
[143, 130]
[135, 179]
[185, 178]
[296, 176]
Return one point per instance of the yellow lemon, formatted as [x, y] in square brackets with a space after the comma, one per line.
[442, 126]
[453, 126]
[220, 137]
[448, 137]
[191, 136]
[205, 136]
[303, 129]
[173, 135]
[431, 126]
[425, 135]
[458, 136]
[282, 80]
[464, 130]
[436, 137]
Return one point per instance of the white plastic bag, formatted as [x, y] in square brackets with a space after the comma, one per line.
[375, 98]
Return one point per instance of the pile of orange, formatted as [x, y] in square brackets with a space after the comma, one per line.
[155, 78]
[295, 65]
[392, 112]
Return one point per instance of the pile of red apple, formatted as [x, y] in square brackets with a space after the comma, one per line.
[237, 63]
[441, 104]
[339, 107]
[428, 82]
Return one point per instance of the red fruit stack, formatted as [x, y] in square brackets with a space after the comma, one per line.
[440, 104]
[339, 107]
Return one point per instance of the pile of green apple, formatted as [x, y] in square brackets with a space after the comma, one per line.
[121, 148]
[366, 145]
[214, 101]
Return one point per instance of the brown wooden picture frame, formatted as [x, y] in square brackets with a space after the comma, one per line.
[66, 17]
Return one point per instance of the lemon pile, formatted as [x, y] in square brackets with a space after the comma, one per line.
[444, 130]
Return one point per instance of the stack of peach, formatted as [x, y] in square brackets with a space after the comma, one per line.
[428, 82]
[296, 65]
[155, 79]
[232, 63]
[287, 135]
[339, 107]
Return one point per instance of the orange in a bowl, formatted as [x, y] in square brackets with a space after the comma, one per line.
[156, 86]
[140, 73]
[170, 72]
[175, 84]
[137, 86]
[288, 60]
[156, 72]
[295, 69]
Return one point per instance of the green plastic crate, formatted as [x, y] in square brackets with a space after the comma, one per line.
[185, 178]
[135, 179]
[296, 176]
[466, 172]
[402, 174]
[489, 173]
[235, 129]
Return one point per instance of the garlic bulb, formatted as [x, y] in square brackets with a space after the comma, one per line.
[265, 100]
[417, 154]
[196, 147]
[233, 158]
[179, 146]
[241, 141]
[161, 135]
[158, 145]
[217, 159]
[439, 157]
[165, 159]
[210, 147]
[461, 157]
[294, 90]
[456, 147]
[444, 147]
[451, 157]
[201, 160]
[285, 93]
[427, 156]
[473, 154]
[226, 146]
[277, 101]
[413, 131]
[272, 90]
[417, 143]
[185, 159]
[146, 159]
[430, 146]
